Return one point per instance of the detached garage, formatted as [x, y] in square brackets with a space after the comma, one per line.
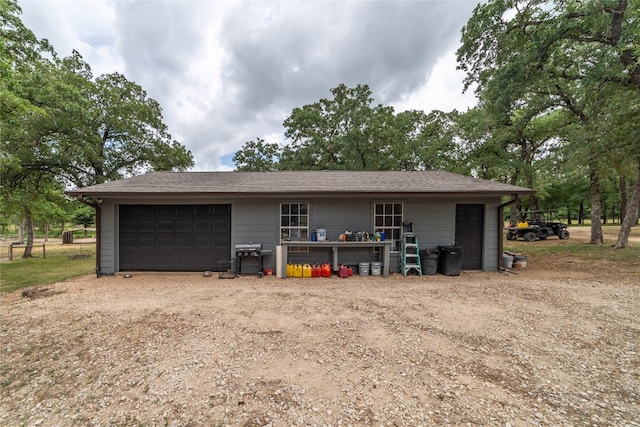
[193, 221]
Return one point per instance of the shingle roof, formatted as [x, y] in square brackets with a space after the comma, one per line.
[247, 183]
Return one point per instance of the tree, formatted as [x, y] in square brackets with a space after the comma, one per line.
[349, 132]
[124, 136]
[575, 55]
[59, 124]
[425, 142]
[85, 216]
[343, 133]
[257, 156]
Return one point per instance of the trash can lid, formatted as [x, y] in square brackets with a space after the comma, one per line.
[451, 248]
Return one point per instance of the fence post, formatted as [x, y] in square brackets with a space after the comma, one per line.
[10, 252]
[44, 251]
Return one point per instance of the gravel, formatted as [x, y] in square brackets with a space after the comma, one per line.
[531, 347]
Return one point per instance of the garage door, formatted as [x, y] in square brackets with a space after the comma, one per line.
[175, 237]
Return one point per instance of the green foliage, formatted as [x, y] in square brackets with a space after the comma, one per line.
[83, 215]
[555, 78]
[426, 142]
[60, 126]
[126, 135]
[257, 156]
[346, 132]
[349, 132]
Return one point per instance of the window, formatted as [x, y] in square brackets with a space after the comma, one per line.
[294, 223]
[387, 218]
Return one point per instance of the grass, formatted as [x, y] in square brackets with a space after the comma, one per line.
[579, 247]
[56, 267]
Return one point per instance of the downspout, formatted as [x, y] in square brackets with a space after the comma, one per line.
[96, 206]
[515, 198]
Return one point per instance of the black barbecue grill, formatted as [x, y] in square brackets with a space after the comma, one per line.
[250, 250]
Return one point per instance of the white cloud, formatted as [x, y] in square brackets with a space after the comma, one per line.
[84, 26]
[229, 72]
[443, 90]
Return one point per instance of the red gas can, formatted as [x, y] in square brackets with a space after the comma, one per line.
[316, 270]
[343, 272]
[325, 270]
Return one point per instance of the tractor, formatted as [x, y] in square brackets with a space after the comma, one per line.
[533, 225]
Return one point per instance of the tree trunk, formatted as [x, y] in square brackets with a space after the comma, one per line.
[21, 231]
[28, 225]
[581, 213]
[631, 216]
[568, 215]
[623, 198]
[596, 224]
[604, 213]
[46, 232]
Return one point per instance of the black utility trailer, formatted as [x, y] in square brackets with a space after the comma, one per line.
[534, 225]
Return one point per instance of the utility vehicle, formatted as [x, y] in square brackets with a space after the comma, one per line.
[534, 225]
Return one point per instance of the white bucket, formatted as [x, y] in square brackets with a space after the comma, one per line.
[376, 268]
[507, 261]
[321, 234]
[363, 268]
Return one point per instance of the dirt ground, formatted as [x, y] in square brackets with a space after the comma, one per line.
[548, 345]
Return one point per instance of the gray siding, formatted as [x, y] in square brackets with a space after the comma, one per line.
[433, 221]
[492, 234]
[257, 220]
[108, 238]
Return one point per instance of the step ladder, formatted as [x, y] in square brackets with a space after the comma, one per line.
[410, 254]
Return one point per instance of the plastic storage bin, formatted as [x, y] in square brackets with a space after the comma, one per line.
[450, 260]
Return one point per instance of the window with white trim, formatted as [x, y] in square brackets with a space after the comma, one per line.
[387, 218]
[294, 223]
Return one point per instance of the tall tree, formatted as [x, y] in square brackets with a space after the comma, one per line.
[257, 156]
[349, 132]
[425, 141]
[58, 123]
[575, 54]
[346, 132]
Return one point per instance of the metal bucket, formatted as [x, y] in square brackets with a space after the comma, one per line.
[507, 261]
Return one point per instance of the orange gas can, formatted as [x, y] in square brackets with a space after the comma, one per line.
[325, 270]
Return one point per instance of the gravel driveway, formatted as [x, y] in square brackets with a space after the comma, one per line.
[538, 347]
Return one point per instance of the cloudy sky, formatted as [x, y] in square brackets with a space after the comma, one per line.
[227, 72]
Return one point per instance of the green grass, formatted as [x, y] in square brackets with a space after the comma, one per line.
[577, 249]
[581, 248]
[56, 267]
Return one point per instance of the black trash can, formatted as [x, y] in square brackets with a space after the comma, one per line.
[429, 261]
[450, 260]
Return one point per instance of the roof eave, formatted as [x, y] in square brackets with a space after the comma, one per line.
[111, 194]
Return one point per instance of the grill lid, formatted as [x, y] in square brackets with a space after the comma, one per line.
[249, 247]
